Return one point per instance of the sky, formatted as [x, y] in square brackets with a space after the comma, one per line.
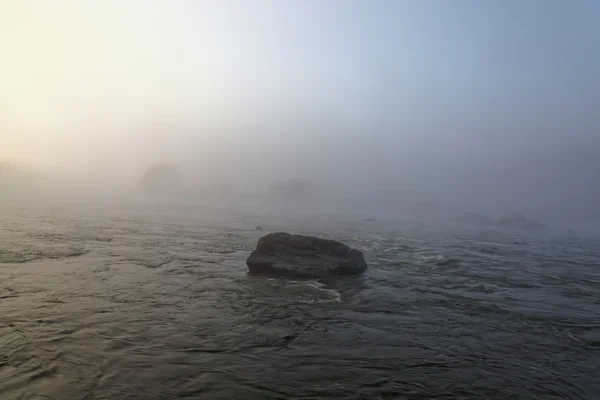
[463, 101]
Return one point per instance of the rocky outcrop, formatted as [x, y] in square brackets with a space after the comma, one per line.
[301, 256]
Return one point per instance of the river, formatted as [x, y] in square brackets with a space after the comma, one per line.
[140, 303]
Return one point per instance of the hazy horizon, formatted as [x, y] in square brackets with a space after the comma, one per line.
[491, 106]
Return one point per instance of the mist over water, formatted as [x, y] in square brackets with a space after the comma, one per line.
[142, 143]
[484, 108]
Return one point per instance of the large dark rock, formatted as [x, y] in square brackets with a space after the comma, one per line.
[304, 257]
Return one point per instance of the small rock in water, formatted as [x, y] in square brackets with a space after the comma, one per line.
[259, 228]
[304, 257]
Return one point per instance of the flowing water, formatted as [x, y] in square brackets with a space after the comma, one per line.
[139, 304]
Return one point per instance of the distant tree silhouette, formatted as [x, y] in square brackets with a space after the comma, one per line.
[161, 179]
[294, 190]
[4, 167]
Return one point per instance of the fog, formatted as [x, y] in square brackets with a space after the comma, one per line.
[381, 107]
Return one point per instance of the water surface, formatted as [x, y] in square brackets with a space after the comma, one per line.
[142, 303]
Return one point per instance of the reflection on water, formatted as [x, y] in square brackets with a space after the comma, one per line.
[159, 306]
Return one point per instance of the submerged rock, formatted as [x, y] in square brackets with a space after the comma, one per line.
[304, 257]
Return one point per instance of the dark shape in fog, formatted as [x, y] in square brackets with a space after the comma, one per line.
[301, 256]
[473, 218]
[518, 221]
[294, 191]
[161, 180]
[16, 181]
[8, 171]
